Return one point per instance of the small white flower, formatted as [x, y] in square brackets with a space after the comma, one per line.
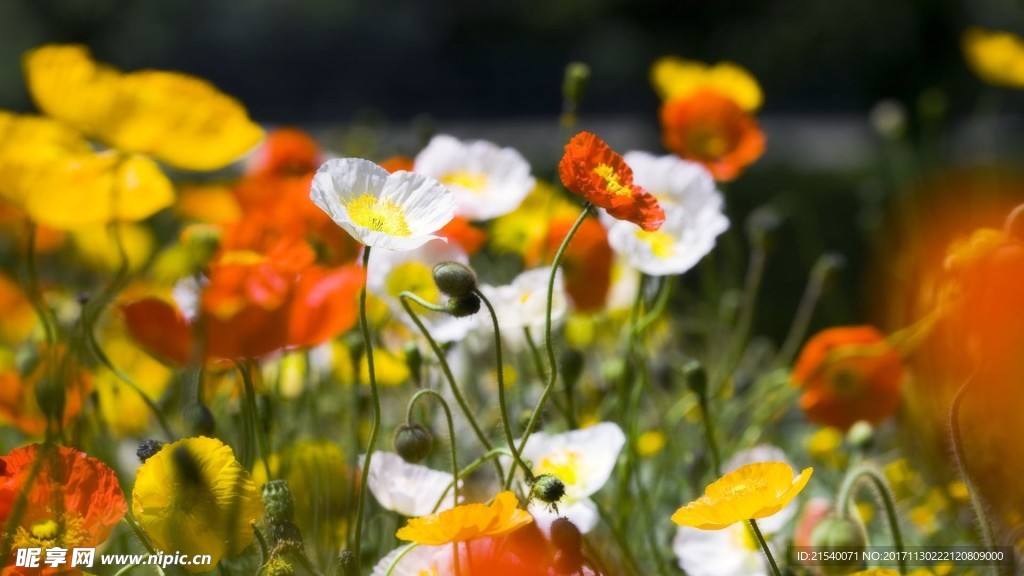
[583, 460]
[523, 303]
[487, 181]
[391, 273]
[409, 489]
[733, 551]
[693, 216]
[399, 211]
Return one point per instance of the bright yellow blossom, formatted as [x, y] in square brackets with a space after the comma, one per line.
[467, 522]
[673, 77]
[178, 119]
[996, 57]
[753, 491]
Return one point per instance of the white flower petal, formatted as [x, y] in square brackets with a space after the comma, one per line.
[409, 489]
[587, 456]
[425, 204]
[523, 303]
[418, 561]
[501, 175]
[719, 552]
[678, 246]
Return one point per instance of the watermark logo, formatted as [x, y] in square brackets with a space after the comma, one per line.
[86, 558]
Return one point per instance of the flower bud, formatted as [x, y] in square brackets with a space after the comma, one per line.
[199, 420]
[412, 442]
[889, 119]
[860, 435]
[565, 535]
[455, 279]
[347, 563]
[548, 488]
[696, 378]
[574, 83]
[465, 305]
[827, 268]
[837, 532]
[278, 503]
[147, 449]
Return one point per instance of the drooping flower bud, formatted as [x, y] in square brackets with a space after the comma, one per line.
[455, 279]
[838, 532]
[412, 442]
[465, 305]
[548, 488]
[565, 535]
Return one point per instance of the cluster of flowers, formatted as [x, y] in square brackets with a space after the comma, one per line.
[267, 276]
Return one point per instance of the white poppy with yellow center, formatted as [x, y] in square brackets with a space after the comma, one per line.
[583, 460]
[693, 216]
[409, 489]
[399, 211]
[391, 273]
[488, 181]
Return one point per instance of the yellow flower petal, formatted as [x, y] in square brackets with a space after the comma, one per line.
[673, 77]
[467, 522]
[996, 57]
[753, 491]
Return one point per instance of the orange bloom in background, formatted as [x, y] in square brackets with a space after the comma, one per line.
[709, 127]
[461, 232]
[74, 501]
[19, 318]
[396, 163]
[586, 264]
[848, 374]
[254, 304]
[467, 522]
[286, 151]
[593, 170]
[19, 394]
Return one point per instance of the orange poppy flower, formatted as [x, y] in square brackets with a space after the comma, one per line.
[470, 238]
[848, 374]
[396, 163]
[19, 394]
[711, 128]
[467, 522]
[73, 502]
[593, 170]
[286, 151]
[586, 264]
[254, 304]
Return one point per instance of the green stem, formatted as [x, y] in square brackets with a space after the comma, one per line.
[451, 431]
[256, 427]
[364, 326]
[470, 468]
[956, 436]
[548, 343]
[503, 406]
[709, 432]
[802, 319]
[404, 298]
[845, 499]
[764, 546]
[35, 293]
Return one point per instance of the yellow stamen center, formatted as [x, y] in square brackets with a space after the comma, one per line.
[50, 533]
[708, 143]
[474, 181]
[378, 215]
[662, 243]
[564, 465]
[45, 530]
[612, 183]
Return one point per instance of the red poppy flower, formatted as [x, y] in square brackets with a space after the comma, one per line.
[593, 170]
[73, 502]
[711, 128]
[848, 374]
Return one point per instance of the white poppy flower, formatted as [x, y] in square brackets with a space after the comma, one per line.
[583, 460]
[399, 211]
[693, 216]
[409, 489]
[733, 551]
[523, 303]
[391, 273]
[416, 562]
[487, 181]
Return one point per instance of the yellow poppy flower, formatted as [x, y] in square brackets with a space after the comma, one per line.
[753, 491]
[50, 172]
[193, 497]
[673, 77]
[178, 119]
[996, 57]
[467, 522]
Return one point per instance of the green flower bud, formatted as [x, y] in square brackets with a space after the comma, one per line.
[827, 268]
[412, 442]
[147, 449]
[278, 503]
[861, 434]
[837, 532]
[465, 305]
[455, 279]
[571, 366]
[574, 83]
[566, 536]
[199, 420]
[696, 378]
[548, 488]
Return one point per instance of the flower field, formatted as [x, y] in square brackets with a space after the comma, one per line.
[229, 347]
